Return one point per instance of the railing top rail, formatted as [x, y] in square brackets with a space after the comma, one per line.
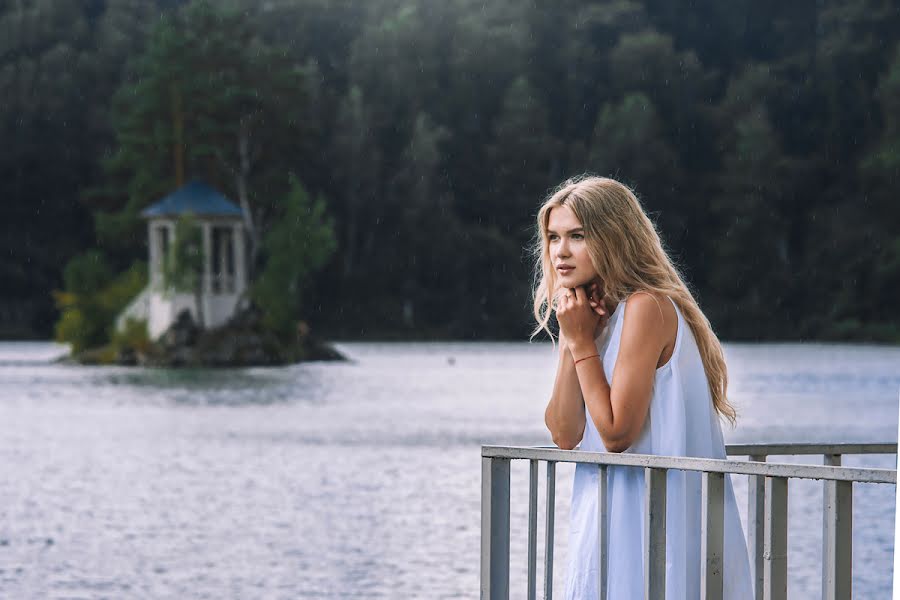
[809, 448]
[711, 465]
[802, 448]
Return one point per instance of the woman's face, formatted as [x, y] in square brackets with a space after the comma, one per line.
[568, 250]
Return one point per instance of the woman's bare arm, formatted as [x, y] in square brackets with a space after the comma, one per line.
[619, 413]
[565, 412]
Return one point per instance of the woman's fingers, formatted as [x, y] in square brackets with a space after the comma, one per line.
[560, 298]
[597, 308]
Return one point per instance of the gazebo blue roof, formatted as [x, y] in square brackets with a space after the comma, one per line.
[196, 198]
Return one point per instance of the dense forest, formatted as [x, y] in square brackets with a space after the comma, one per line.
[762, 137]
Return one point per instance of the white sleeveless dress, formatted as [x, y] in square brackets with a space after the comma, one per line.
[681, 422]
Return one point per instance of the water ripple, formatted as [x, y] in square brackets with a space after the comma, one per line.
[355, 480]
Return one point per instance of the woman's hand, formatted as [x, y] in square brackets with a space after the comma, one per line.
[582, 315]
[597, 300]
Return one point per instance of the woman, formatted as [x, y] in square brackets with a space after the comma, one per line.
[640, 370]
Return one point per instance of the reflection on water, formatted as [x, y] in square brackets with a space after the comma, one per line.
[358, 479]
[222, 387]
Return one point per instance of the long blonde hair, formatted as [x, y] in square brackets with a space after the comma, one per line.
[628, 256]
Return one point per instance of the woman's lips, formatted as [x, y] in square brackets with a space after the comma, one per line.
[566, 270]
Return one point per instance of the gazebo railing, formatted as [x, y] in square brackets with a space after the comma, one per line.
[767, 517]
[221, 283]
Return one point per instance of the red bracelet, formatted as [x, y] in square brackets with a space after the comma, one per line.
[585, 358]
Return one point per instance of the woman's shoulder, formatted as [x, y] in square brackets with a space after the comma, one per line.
[650, 316]
[646, 302]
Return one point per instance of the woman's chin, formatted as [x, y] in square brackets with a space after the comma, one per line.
[573, 280]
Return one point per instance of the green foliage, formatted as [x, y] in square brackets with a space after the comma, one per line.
[93, 300]
[132, 337]
[83, 321]
[522, 152]
[59, 63]
[762, 138]
[206, 96]
[883, 164]
[75, 327]
[299, 244]
[87, 273]
[880, 174]
[628, 142]
[209, 98]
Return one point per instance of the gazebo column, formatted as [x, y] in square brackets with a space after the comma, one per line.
[207, 258]
[155, 262]
[226, 282]
[207, 274]
[240, 267]
[171, 305]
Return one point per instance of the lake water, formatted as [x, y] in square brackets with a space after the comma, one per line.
[358, 479]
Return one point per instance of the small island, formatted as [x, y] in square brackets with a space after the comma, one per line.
[197, 308]
[240, 342]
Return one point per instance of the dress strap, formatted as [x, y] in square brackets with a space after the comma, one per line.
[678, 332]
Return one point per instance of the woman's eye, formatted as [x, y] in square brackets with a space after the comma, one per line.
[552, 238]
[577, 236]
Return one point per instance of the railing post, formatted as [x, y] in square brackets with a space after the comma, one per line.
[494, 528]
[532, 528]
[551, 514]
[837, 536]
[654, 533]
[756, 495]
[712, 539]
[775, 571]
[602, 532]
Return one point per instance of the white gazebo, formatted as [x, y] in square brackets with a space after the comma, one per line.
[224, 252]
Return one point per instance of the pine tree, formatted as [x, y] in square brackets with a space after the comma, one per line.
[207, 98]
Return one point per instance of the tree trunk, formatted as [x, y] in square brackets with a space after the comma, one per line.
[243, 175]
[178, 134]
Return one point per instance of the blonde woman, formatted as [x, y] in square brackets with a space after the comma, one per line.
[640, 370]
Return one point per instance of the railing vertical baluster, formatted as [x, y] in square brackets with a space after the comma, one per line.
[654, 533]
[712, 540]
[756, 495]
[494, 528]
[837, 535]
[602, 532]
[551, 513]
[532, 528]
[775, 571]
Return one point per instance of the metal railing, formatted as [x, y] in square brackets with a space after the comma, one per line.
[767, 515]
